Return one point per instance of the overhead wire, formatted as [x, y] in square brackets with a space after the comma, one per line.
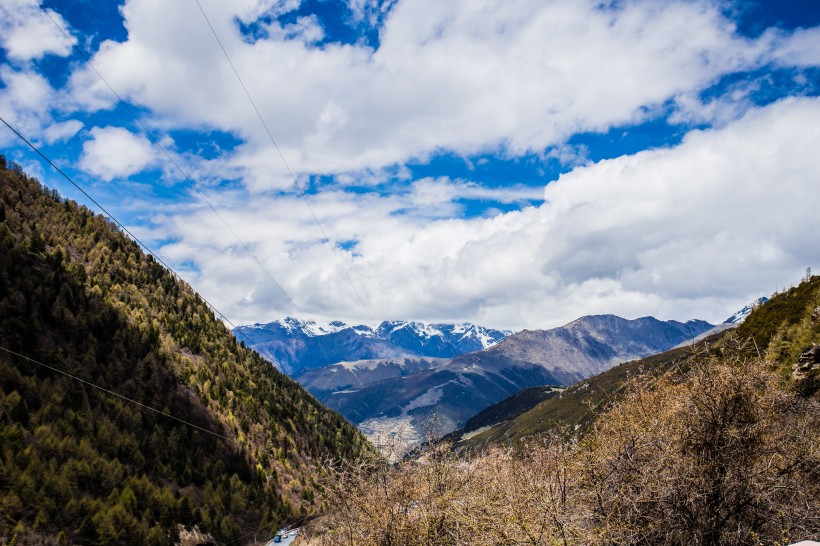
[126, 230]
[284, 161]
[171, 272]
[118, 395]
[155, 142]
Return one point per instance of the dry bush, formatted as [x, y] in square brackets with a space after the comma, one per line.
[724, 454]
[442, 498]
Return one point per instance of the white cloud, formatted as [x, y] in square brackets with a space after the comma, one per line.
[800, 48]
[371, 11]
[25, 103]
[684, 232]
[114, 152]
[461, 76]
[439, 196]
[306, 29]
[26, 33]
[694, 230]
[61, 131]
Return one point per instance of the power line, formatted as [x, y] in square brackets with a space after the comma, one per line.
[118, 395]
[282, 156]
[114, 274]
[125, 229]
[154, 141]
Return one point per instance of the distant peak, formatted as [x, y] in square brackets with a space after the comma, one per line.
[741, 315]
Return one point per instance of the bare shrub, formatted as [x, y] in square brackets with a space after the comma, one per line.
[726, 455]
[723, 454]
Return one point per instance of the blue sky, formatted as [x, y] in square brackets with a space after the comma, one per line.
[516, 164]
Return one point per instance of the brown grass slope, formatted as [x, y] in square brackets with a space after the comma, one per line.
[713, 445]
[575, 408]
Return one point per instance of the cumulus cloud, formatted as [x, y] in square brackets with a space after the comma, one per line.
[690, 231]
[694, 230]
[61, 131]
[26, 33]
[460, 76]
[26, 99]
[114, 152]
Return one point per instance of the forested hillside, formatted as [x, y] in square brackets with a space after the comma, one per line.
[78, 465]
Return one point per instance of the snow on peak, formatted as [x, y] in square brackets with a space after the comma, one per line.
[450, 333]
[311, 328]
[425, 330]
[741, 315]
[485, 338]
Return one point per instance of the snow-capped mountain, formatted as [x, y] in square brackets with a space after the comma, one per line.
[741, 315]
[389, 395]
[294, 345]
[439, 340]
[731, 322]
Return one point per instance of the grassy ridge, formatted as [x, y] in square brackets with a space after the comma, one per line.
[575, 408]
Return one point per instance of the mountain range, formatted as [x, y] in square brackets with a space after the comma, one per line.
[294, 345]
[402, 399]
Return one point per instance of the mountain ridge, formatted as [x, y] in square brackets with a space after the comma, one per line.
[294, 345]
[385, 397]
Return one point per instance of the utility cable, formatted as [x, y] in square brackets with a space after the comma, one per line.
[154, 141]
[118, 395]
[287, 166]
[125, 229]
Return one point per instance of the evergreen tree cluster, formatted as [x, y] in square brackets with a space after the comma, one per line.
[78, 465]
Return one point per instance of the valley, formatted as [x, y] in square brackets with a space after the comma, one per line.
[401, 401]
[409, 273]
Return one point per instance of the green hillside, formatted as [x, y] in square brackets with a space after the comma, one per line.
[78, 465]
[575, 408]
[781, 330]
[786, 326]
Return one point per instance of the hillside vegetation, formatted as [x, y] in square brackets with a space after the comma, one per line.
[575, 408]
[787, 326]
[711, 445]
[780, 330]
[80, 466]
